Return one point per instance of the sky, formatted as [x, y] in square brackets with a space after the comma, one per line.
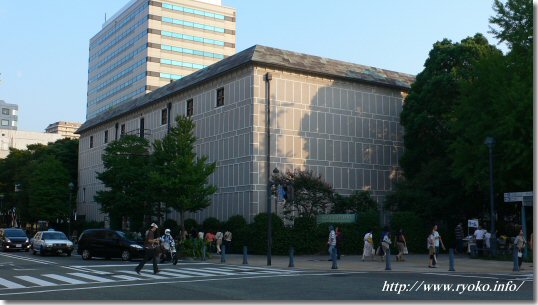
[44, 43]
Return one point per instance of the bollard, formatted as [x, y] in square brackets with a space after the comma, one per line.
[291, 264]
[451, 259]
[245, 261]
[223, 254]
[387, 259]
[516, 259]
[203, 251]
[333, 258]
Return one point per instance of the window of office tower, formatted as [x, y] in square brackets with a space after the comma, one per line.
[220, 97]
[5, 111]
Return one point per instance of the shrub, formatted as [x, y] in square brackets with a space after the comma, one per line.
[190, 223]
[239, 228]
[211, 224]
[414, 228]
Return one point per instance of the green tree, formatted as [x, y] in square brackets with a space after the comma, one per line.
[429, 188]
[125, 176]
[498, 103]
[178, 176]
[48, 199]
[312, 195]
[358, 201]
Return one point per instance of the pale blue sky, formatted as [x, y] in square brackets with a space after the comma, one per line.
[44, 43]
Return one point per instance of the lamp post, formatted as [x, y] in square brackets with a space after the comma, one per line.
[71, 187]
[269, 219]
[490, 142]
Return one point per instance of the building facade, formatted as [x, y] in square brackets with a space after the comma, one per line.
[338, 119]
[21, 139]
[66, 129]
[148, 44]
[8, 115]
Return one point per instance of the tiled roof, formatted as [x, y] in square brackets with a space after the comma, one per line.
[263, 56]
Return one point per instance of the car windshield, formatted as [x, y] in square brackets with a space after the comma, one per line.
[15, 233]
[53, 235]
[129, 235]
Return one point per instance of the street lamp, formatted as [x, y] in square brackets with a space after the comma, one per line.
[71, 187]
[270, 219]
[490, 142]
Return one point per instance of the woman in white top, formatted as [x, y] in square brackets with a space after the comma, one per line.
[218, 237]
[368, 245]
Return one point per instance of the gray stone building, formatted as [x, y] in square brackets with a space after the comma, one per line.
[340, 120]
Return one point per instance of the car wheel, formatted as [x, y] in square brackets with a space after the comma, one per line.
[125, 255]
[86, 254]
[69, 253]
[27, 249]
[41, 251]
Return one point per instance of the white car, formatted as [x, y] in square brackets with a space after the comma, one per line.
[53, 242]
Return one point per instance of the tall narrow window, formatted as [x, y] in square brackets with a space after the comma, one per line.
[190, 107]
[91, 141]
[106, 136]
[122, 132]
[164, 116]
[116, 131]
[141, 127]
[220, 97]
[84, 194]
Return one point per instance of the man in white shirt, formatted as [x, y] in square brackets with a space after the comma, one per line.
[438, 241]
[479, 237]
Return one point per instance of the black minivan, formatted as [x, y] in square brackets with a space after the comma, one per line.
[108, 244]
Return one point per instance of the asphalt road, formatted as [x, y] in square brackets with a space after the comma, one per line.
[27, 277]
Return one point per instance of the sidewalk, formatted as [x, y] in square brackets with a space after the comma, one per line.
[412, 263]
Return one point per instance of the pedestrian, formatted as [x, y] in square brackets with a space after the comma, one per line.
[368, 249]
[458, 231]
[479, 238]
[339, 242]
[228, 241]
[385, 243]
[520, 242]
[487, 239]
[218, 237]
[151, 243]
[331, 242]
[402, 245]
[210, 238]
[438, 242]
[431, 250]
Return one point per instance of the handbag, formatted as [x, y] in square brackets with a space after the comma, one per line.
[405, 250]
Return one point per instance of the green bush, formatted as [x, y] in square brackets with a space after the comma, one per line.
[257, 242]
[189, 224]
[211, 224]
[237, 225]
[415, 230]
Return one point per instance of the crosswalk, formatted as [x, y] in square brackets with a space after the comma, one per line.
[123, 275]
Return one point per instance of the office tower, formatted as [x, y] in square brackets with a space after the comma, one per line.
[66, 129]
[148, 44]
[8, 115]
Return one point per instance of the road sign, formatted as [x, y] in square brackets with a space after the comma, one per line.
[336, 218]
[472, 223]
[516, 196]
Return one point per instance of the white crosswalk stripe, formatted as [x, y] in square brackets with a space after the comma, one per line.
[35, 280]
[92, 277]
[65, 279]
[144, 273]
[10, 284]
[166, 273]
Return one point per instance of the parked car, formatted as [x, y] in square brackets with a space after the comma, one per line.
[14, 239]
[108, 244]
[51, 242]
